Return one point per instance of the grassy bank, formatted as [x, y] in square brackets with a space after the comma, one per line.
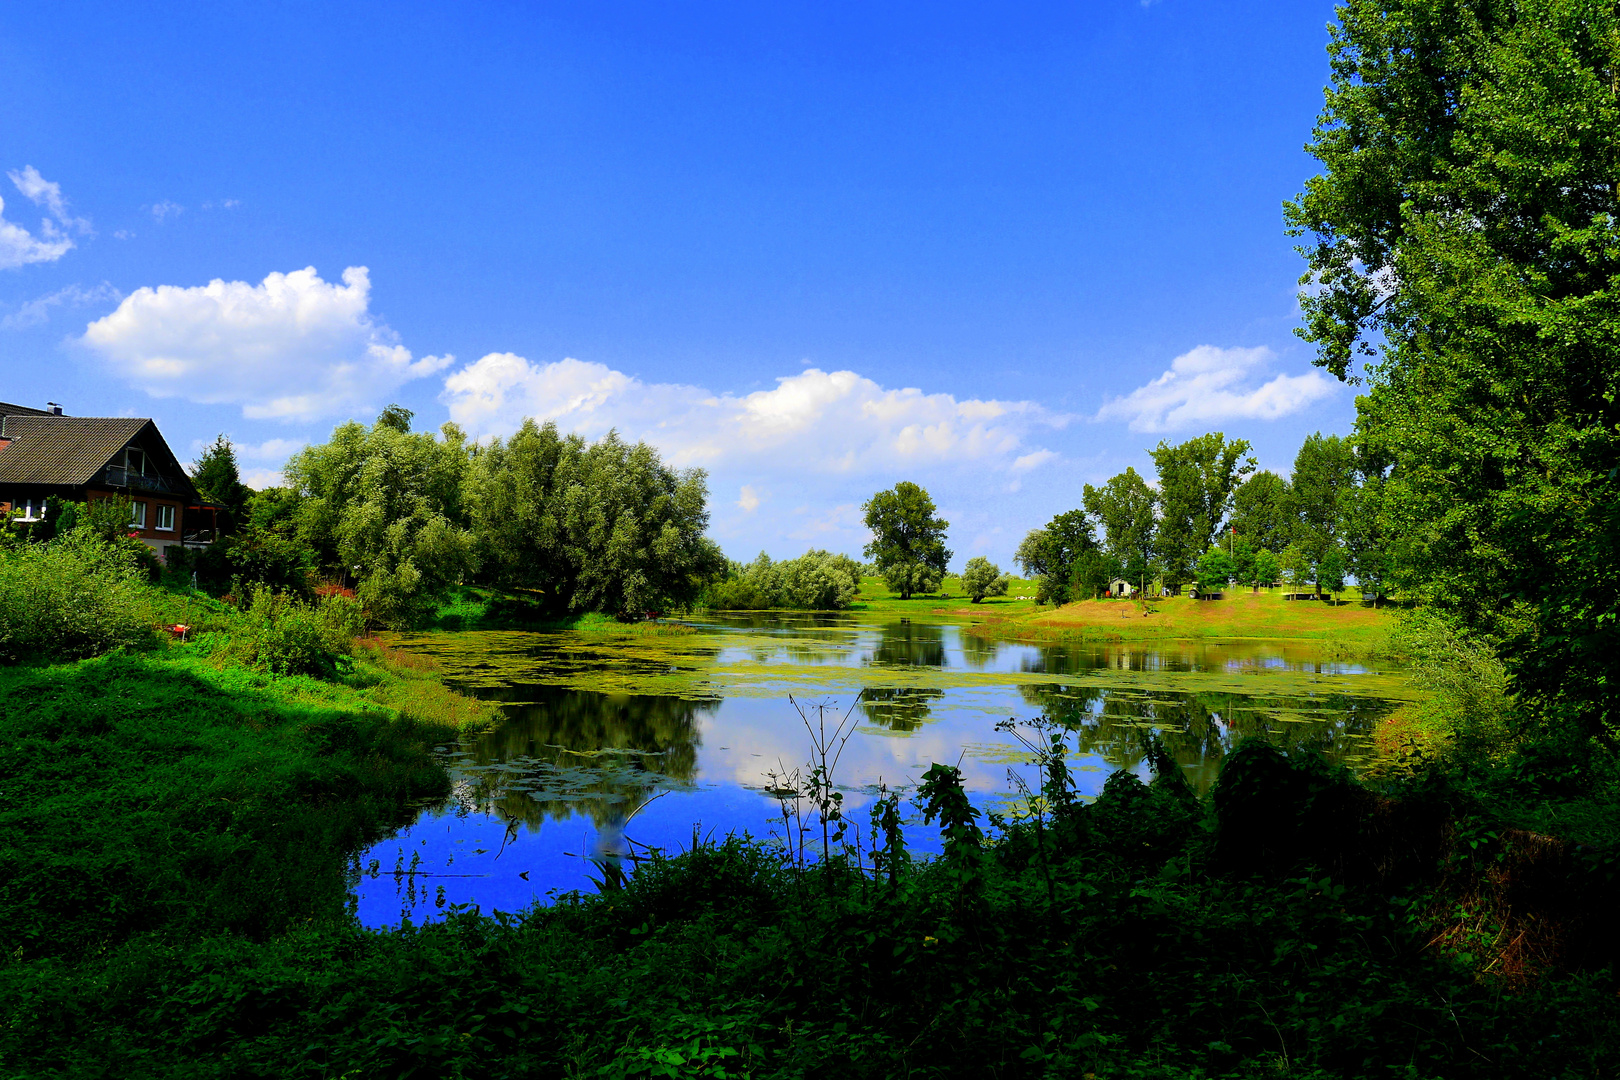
[1241, 615]
[173, 791]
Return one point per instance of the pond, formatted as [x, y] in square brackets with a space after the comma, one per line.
[617, 743]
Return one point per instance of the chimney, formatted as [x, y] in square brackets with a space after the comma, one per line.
[53, 408]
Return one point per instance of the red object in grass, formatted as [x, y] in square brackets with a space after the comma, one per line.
[332, 588]
[178, 630]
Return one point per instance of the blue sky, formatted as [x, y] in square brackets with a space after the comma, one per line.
[1001, 250]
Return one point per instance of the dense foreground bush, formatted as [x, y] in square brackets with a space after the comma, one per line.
[74, 597]
[1295, 925]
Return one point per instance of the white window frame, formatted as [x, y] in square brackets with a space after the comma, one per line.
[165, 511]
[137, 515]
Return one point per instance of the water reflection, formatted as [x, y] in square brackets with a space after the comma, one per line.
[563, 752]
[1199, 729]
[908, 644]
[898, 708]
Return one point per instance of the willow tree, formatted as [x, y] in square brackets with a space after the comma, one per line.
[1463, 243]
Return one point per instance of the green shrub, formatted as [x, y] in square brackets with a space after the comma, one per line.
[286, 636]
[72, 598]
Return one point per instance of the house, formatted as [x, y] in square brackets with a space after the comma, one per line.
[81, 458]
[1120, 587]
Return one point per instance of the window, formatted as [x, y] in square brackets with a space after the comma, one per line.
[137, 515]
[165, 517]
[135, 461]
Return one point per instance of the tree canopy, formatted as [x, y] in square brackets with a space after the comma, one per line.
[1196, 482]
[1057, 553]
[908, 541]
[1124, 506]
[1463, 240]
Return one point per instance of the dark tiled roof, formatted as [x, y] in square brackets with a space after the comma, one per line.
[8, 409]
[62, 449]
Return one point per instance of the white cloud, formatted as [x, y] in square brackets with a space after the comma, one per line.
[164, 210]
[259, 479]
[293, 347]
[270, 449]
[749, 500]
[1033, 460]
[19, 247]
[1210, 384]
[817, 421]
[36, 312]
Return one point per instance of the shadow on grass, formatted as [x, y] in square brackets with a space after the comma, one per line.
[159, 793]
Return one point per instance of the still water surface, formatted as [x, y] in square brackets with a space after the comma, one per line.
[614, 743]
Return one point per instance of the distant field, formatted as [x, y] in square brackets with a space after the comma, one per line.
[1242, 615]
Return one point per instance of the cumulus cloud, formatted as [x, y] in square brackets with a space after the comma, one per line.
[18, 246]
[36, 312]
[833, 422]
[748, 499]
[165, 210]
[1210, 384]
[293, 347]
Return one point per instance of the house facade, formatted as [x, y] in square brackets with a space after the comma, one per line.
[84, 458]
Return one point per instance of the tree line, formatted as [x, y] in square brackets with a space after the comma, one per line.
[404, 515]
[1210, 518]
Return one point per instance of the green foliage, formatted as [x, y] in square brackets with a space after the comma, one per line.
[1261, 511]
[286, 636]
[217, 480]
[1266, 568]
[1292, 925]
[982, 578]
[1295, 565]
[383, 504]
[1215, 569]
[815, 581]
[1196, 484]
[1125, 508]
[74, 597]
[1057, 555]
[1463, 239]
[603, 527]
[908, 541]
[1468, 682]
[1319, 494]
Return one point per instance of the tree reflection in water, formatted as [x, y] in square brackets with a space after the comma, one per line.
[910, 645]
[1199, 730]
[564, 752]
[898, 709]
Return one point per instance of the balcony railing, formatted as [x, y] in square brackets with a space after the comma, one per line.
[119, 477]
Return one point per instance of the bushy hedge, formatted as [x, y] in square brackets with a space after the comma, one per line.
[74, 597]
[815, 581]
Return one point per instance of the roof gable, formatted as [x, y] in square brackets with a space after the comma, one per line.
[72, 450]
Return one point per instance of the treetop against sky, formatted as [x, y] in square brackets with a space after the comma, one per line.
[813, 250]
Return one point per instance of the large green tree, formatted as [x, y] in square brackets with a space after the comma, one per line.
[1320, 494]
[1196, 482]
[1260, 511]
[908, 540]
[385, 505]
[1063, 557]
[592, 527]
[1124, 506]
[1463, 243]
